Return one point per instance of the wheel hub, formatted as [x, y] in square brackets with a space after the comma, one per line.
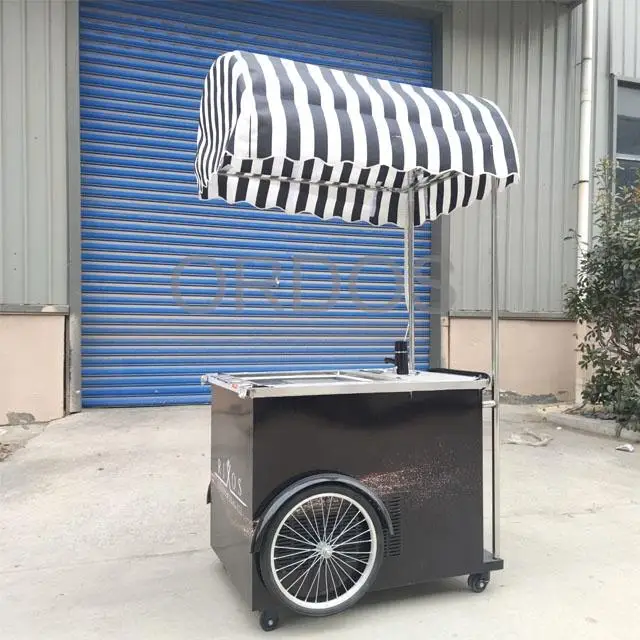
[324, 550]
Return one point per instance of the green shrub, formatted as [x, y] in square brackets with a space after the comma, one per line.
[606, 301]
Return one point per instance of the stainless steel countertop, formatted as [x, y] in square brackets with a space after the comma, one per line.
[315, 383]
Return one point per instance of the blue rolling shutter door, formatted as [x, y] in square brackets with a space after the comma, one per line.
[173, 287]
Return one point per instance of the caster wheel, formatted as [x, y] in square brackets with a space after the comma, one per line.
[268, 621]
[478, 582]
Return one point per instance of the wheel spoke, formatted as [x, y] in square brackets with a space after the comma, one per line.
[300, 549]
[333, 568]
[340, 566]
[313, 582]
[305, 575]
[290, 555]
[354, 539]
[344, 563]
[348, 527]
[306, 515]
[313, 511]
[326, 520]
[295, 564]
[337, 523]
[328, 538]
[326, 582]
[299, 540]
[318, 572]
[311, 538]
[350, 557]
[300, 537]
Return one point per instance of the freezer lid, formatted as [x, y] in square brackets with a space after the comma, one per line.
[300, 383]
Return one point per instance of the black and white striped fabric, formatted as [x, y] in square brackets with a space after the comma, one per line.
[307, 139]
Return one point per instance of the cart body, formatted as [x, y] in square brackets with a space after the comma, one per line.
[412, 447]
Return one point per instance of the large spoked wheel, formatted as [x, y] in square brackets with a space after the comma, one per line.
[323, 550]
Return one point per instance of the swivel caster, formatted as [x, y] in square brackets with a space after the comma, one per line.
[478, 582]
[269, 620]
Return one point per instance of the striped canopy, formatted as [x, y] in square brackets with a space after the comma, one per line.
[308, 139]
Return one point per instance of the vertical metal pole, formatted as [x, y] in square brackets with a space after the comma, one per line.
[73, 338]
[409, 264]
[495, 366]
[585, 162]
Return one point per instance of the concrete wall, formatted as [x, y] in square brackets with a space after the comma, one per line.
[31, 366]
[520, 55]
[536, 357]
[33, 153]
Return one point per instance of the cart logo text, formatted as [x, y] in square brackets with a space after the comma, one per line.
[228, 481]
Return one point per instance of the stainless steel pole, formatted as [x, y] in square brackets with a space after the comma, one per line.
[495, 366]
[409, 264]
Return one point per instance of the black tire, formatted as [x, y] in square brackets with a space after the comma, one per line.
[336, 550]
[478, 582]
[269, 620]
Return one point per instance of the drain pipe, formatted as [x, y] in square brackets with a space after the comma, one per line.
[585, 169]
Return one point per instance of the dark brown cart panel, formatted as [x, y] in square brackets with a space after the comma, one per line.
[419, 454]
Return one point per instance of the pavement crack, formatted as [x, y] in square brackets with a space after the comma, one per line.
[73, 565]
[585, 511]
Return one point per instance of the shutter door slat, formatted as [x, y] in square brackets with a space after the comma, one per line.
[163, 272]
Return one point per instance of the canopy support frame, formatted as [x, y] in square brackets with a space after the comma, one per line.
[409, 241]
[415, 185]
[495, 370]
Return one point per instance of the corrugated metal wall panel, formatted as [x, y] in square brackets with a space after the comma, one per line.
[173, 287]
[33, 155]
[618, 53]
[625, 24]
[518, 53]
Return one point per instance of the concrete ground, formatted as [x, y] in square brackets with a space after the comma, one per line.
[104, 534]
[16, 436]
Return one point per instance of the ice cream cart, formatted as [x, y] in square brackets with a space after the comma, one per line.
[329, 484]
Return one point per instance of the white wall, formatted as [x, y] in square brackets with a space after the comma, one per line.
[31, 366]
